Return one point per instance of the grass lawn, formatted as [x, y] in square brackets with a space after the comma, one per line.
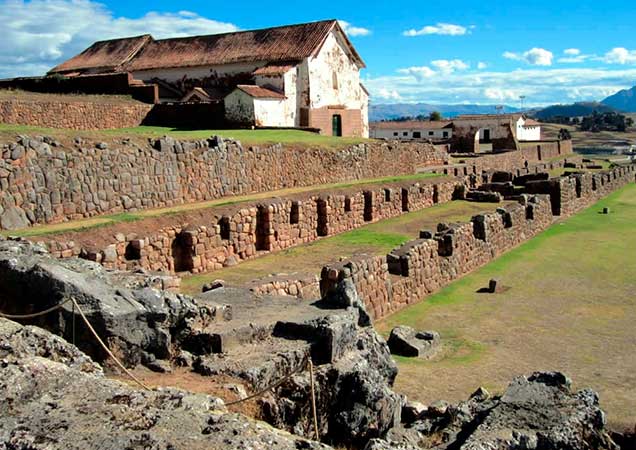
[247, 137]
[377, 239]
[570, 307]
[111, 219]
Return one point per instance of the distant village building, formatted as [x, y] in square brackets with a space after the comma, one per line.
[305, 75]
[412, 130]
[466, 133]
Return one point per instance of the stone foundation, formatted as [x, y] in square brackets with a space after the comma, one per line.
[74, 115]
[421, 267]
[211, 239]
[41, 181]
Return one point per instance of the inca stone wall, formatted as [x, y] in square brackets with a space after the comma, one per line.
[514, 160]
[74, 115]
[211, 239]
[420, 267]
[43, 182]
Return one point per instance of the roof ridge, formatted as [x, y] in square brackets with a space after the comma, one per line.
[252, 30]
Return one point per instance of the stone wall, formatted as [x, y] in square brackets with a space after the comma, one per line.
[545, 150]
[420, 267]
[214, 238]
[516, 159]
[74, 115]
[43, 182]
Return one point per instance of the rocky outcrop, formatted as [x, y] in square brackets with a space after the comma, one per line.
[536, 412]
[139, 323]
[58, 398]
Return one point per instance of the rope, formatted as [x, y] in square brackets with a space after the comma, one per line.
[31, 316]
[121, 366]
[271, 386]
[313, 399]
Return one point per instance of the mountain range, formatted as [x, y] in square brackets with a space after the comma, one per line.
[396, 110]
[622, 101]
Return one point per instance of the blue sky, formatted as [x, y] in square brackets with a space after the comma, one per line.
[416, 51]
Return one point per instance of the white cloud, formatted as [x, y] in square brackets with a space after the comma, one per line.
[353, 30]
[389, 94]
[419, 73]
[572, 51]
[39, 34]
[620, 55]
[500, 94]
[535, 56]
[575, 59]
[540, 86]
[447, 29]
[482, 65]
[449, 66]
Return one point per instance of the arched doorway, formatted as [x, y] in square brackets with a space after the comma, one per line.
[182, 252]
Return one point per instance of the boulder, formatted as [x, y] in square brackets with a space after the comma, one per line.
[139, 323]
[405, 341]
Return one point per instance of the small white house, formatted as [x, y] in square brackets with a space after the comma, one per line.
[528, 129]
[412, 130]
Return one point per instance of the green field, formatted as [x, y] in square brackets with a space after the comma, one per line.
[570, 306]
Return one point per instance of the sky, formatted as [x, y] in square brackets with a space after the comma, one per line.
[480, 51]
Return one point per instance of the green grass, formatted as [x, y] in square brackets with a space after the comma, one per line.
[113, 219]
[569, 307]
[246, 136]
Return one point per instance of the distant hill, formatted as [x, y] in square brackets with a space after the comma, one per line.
[573, 110]
[393, 111]
[624, 100]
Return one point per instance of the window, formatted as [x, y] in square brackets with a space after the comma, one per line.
[294, 214]
[405, 133]
[334, 80]
[387, 195]
[395, 133]
[431, 133]
[417, 135]
[347, 205]
[445, 134]
[224, 228]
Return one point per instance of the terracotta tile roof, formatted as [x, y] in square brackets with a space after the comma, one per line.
[259, 92]
[278, 44]
[274, 69]
[274, 45]
[107, 56]
[531, 123]
[412, 124]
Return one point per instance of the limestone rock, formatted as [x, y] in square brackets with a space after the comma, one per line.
[405, 341]
[537, 412]
[139, 323]
[13, 218]
[52, 403]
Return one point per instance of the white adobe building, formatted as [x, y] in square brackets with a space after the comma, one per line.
[412, 130]
[305, 75]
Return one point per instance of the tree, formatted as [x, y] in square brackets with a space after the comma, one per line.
[435, 116]
[564, 135]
